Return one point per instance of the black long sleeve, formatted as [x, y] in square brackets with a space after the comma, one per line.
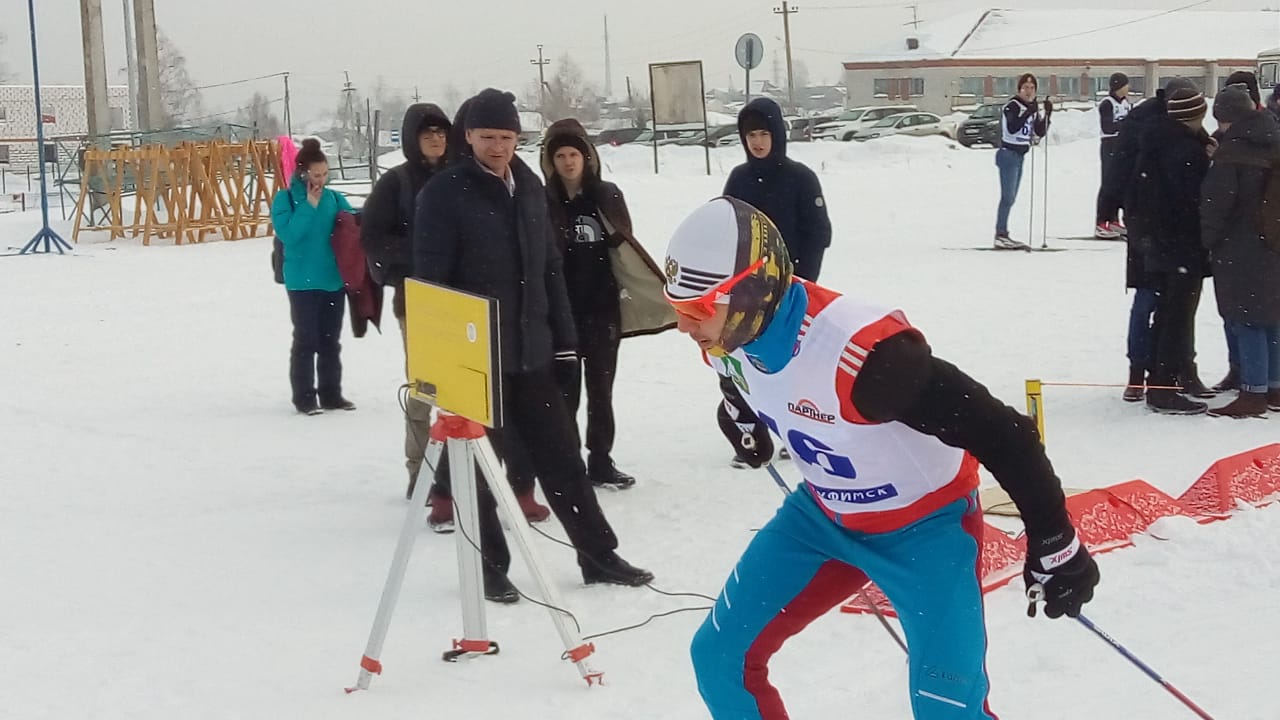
[902, 381]
[384, 232]
[1107, 118]
[435, 235]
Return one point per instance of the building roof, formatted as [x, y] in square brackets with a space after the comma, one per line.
[998, 34]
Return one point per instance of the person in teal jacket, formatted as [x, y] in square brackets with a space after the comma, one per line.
[304, 217]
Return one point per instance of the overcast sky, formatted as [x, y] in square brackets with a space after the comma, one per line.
[478, 43]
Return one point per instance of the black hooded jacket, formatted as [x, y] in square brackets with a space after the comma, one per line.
[1246, 272]
[785, 190]
[386, 228]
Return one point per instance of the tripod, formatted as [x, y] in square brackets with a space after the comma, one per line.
[468, 450]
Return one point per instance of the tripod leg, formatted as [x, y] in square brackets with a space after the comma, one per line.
[509, 510]
[462, 461]
[414, 517]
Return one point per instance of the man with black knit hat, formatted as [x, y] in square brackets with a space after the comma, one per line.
[785, 190]
[615, 288]
[482, 227]
[1250, 83]
[1112, 111]
[1173, 159]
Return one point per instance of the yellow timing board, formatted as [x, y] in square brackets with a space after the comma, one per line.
[453, 353]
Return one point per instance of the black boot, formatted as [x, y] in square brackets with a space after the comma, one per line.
[1230, 382]
[1134, 391]
[1191, 385]
[498, 588]
[609, 568]
[603, 473]
[1169, 402]
[1273, 399]
[1246, 405]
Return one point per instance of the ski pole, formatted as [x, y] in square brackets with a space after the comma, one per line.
[884, 622]
[1044, 219]
[1031, 212]
[1144, 667]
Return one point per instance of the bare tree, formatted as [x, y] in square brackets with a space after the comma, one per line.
[4, 71]
[178, 92]
[569, 94]
[392, 102]
[639, 103]
[452, 99]
[259, 116]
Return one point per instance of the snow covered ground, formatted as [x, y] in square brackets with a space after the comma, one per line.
[176, 543]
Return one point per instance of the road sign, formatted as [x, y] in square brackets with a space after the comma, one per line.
[395, 137]
[749, 51]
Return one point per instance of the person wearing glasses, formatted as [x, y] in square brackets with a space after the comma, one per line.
[386, 234]
[888, 439]
[303, 216]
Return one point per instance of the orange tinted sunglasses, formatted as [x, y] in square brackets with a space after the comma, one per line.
[701, 308]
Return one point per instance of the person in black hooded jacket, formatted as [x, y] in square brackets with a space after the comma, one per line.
[785, 190]
[386, 234]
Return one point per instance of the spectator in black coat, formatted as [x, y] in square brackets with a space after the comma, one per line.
[482, 227]
[386, 234]
[785, 190]
[1246, 270]
[1165, 194]
[1112, 111]
[615, 288]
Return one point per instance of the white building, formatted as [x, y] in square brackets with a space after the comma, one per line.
[64, 114]
[974, 57]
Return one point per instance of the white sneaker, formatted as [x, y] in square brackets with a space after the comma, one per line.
[1104, 231]
[1004, 242]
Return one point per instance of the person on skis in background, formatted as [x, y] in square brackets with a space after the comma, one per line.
[1021, 121]
[1112, 111]
[888, 439]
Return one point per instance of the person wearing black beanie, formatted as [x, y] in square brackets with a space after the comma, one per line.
[481, 226]
[1250, 82]
[1112, 111]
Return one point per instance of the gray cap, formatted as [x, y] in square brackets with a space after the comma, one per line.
[1233, 104]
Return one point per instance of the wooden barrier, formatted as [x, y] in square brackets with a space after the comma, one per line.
[187, 192]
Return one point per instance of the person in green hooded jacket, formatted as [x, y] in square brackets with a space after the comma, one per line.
[304, 216]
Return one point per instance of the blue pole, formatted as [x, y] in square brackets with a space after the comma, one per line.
[46, 234]
[1145, 668]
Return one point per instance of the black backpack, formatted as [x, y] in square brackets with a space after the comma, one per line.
[277, 247]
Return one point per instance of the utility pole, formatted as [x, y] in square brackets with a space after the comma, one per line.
[350, 91]
[150, 102]
[786, 14]
[97, 110]
[915, 17]
[608, 61]
[417, 98]
[288, 115]
[542, 79]
[130, 54]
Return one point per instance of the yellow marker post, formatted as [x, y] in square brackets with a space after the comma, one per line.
[453, 351]
[1035, 406]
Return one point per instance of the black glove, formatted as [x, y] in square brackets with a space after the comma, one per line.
[1048, 107]
[1059, 572]
[748, 436]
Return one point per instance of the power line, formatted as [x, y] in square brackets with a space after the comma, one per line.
[230, 112]
[240, 82]
[1090, 32]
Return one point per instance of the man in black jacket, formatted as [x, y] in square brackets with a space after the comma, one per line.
[386, 235]
[482, 227]
[785, 190]
[1163, 205]
[1112, 111]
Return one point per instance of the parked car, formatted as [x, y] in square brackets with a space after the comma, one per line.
[982, 126]
[851, 121]
[802, 128]
[912, 123]
[621, 136]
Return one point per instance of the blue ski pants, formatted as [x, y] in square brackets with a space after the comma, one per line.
[801, 564]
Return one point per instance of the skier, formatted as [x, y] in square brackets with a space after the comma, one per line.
[888, 439]
[1112, 111]
[1020, 120]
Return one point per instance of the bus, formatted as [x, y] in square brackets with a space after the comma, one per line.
[1269, 68]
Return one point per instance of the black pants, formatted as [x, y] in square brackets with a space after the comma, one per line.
[1108, 204]
[317, 328]
[515, 458]
[1173, 330]
[538, 421]
[598, 340]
